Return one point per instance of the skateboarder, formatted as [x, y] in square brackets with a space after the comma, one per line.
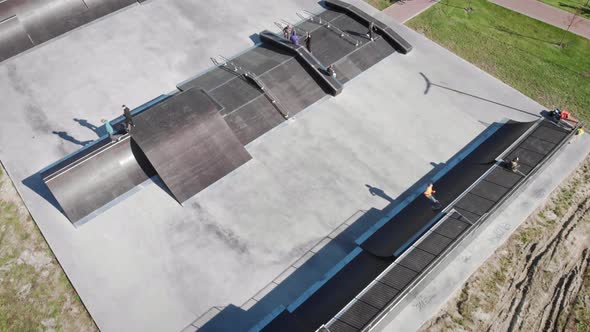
[557, 114]
[370, 32]
[308, 42]
[287, 32]
[109, 128]
[429, 193]
[128, 118]
[330, 70]
[294, 38]
[514, 165]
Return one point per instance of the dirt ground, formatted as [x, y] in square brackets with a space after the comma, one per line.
[539, 280]
[35, 294]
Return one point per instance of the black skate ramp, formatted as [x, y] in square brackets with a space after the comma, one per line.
[188, 143]
[395, 234]
[107, 170]
[340, 289]
[26, 23]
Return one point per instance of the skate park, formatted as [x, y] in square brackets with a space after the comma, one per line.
[401, 121]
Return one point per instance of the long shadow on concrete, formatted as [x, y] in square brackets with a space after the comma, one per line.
[67, 137]
[98, 130]
[430, 84]
[302, 274]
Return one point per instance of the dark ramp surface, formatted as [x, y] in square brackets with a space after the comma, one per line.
[99, 177]
[400, 231]
[339, 290]
[397, 278]
[284, 322]
[188, 143]
[27, 23]
[13, 38]
[536, 146]
[234, 94]
[328, 46]
[253, 119]
[293, 84]
[362, 59]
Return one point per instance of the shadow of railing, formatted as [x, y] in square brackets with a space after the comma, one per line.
[430, 84]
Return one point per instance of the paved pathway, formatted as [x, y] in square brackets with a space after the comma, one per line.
[548, 14]
[403, 11]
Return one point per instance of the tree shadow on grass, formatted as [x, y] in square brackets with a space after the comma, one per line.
[514, 33]
[483, 33]
[580, 10]
[446, 3]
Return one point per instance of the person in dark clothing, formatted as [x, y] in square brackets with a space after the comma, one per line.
[330, 70]
[128, 118]
[308, 42]
[370, 32]
[514, 165]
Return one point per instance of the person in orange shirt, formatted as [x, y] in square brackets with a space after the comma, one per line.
[429, 193]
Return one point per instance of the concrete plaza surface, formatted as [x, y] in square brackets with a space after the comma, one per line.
[148, 263]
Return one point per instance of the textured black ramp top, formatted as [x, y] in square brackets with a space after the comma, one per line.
[337, 292]
[26, 23]
[403, 228]
[188, 143]
[14, 38]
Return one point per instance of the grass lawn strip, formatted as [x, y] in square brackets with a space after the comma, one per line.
[520, 51]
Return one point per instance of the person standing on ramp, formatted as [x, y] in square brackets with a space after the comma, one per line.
[370, 32]
[429, 193]
[308, 42]
[109, 128]
[128, 118]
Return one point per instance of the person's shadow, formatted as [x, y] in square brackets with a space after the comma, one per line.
[65, 136]
[99, 131]
[378, 192]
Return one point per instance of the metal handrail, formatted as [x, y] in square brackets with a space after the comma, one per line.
[273, 100]
[248, 76]
[302, 32]
[330, 26]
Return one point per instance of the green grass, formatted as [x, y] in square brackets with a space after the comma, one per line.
[381, 4]
[573, 6]
[35, 295]
[518, 50]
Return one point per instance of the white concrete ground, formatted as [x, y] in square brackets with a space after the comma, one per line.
[149, 264]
